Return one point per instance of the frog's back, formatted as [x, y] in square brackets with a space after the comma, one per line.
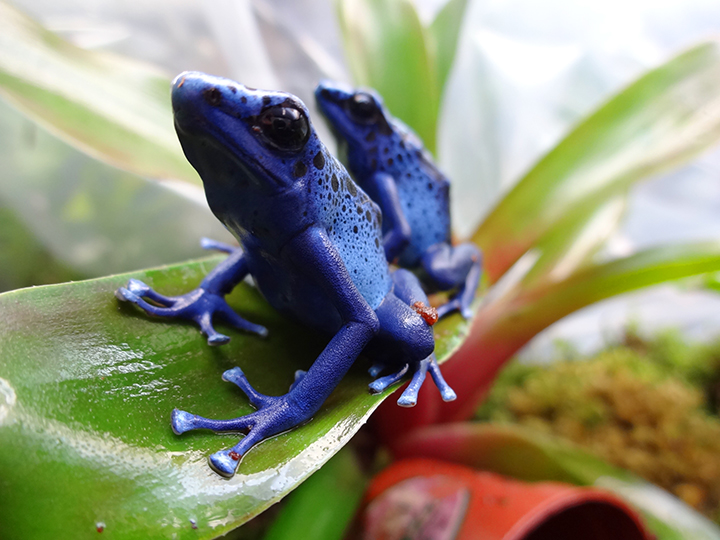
[423, 190]
[354, 224]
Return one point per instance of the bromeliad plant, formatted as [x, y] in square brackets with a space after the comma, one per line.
[87, 385]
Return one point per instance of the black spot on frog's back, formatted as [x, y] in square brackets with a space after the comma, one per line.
[319, 161]
[299, 169]
[351, 187]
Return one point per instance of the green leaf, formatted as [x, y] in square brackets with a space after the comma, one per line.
[386, 47]
[112, 108]
[24, 260]
[445, 30]
[324, 505]
[574, 241]
[71, 211]
[660, 121]
[529, 455]
[87, 385]
[511, 317]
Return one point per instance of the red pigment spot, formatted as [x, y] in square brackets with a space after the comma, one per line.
[182, 81]
[234, 455]
[428, 313]
[99, 527]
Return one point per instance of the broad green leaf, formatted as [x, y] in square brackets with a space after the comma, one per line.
[113, 108]
[570, 244]
[325, 504]
[445, 30]
[510, 319]
[387, 48]
[660, 121]
[87, 385]
[529, 455]
[24, 260]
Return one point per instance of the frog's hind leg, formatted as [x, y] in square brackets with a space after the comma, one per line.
[451, 267]
[408, 289]
[400, 324]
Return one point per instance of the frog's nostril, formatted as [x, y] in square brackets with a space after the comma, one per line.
[212, 96]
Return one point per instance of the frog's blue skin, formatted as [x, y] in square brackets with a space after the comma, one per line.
[390, 163]
[309, 237]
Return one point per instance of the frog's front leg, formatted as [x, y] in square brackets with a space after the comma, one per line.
[201, 304]
[319, 262]
[454, 267]
[381, 188]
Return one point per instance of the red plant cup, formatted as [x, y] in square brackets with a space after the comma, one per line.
[432, 500]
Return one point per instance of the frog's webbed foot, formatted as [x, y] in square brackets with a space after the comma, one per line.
[200, 305]
[454, 267]
[275, 414]
[410, 394]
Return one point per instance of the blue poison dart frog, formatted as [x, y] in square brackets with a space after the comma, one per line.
[311, 240]
[391, 164]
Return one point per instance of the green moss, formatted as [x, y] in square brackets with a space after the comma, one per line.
[645, 405]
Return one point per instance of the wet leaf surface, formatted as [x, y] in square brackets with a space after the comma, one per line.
[87, 385]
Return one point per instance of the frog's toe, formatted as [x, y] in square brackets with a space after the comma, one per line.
[447, 393]
[238, 322]
[217, 339]
[299, 376]
[222, 463]
[125, 295]
[376, 369]
[407, 401]
[204, 321]
[182, 421]
[379, 385]
[210, 244]
[449, 307]
[237, 377]
[410, 395]
[138, 287]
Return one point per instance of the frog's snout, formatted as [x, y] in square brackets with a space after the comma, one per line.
[331, 91]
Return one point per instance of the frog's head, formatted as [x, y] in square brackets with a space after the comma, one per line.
[357, 117]
[240, 139]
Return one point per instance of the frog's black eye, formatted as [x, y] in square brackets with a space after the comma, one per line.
[362, 108]
[285, 128]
